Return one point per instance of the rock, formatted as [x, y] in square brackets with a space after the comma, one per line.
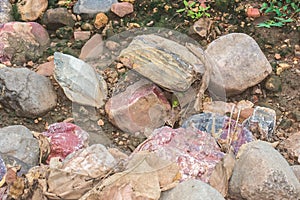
[111, 45]
[2, 168]
[93, 161]
[262, 173]
[82, 35]
[262, 121]
[65, 138]
[273, 84]
[141, 107]
[201, 27]
[253, 12]
[27, 93]
[46, 69]
[163, 61]
[92, 48]
[5, 11]
[30, 10]
[239, 60]
[292, 146]
[195, 152]
[79, 80]
[22, 41]
[226, 131]
[92, 6]
[192, 190]
[55, 18]
[296, 170]
[122, 9]
[17, 141]
[101, 20]
[13, 161]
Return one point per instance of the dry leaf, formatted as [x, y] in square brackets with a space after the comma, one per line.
[43, 144]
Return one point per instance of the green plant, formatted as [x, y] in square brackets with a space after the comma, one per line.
[194, 10]
[281, 12]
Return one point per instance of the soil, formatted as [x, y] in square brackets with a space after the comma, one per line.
[162, 13]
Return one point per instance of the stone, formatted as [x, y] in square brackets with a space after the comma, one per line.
[192, 190]
[46, 69]
[5, 11]
[141, 107]
[239, 60]
[31, 10]
[65, 138]
[92, 6]
[92, 48]
[296, 170]
[100, 21]
[201, 27]
[79, 80]
[262, 173]
[55, 18]
[22, 41]
[292, 146]
[253, 12]
[273, 83]
[82, 35]
[163, 61]
[17, 141]
[226, 131]
[2, 168]
[26, 92]
[195, 152]
[122, 9]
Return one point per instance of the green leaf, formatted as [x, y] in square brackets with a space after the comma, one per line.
[263, 6]
[263, 25]
[284, 8]
[186, 3]
[269, 10]
[283, 20]
[277, 11]
[192, 4]
[180, 10]
[207, 14]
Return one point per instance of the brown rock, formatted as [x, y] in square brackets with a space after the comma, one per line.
[122, 9]
[253, 12]
[92, 48]
[141, 107]
[46, 69]
[101, 20]
[292, 145]
[30, 10]
[57, 17]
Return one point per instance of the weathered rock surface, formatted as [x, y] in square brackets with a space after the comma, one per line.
[82, 35]
[27, 93]
[262, 173]
[163, 61]
[142, 106]
[92, 6]
[192, 190]
[22, 41]
[296, 170]
[30, 10]
[101, 20]
[92, 48]
[240, 61]
[18, 141]
[57, 17]
[79, 80]
[46, 69]
[292, 145]
[5, 11]
[122, 9]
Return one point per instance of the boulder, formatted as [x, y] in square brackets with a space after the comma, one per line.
[30, 10]
[26, 92]
[262, 173]
[239, 60]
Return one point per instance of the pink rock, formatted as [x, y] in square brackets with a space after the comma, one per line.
[65, 138]
[21, 41]
[142, 106]
[195, 152]
[122, 9]
[46, 69]
[253, 12]
[292, 145]
[92, 48]
[82, 35]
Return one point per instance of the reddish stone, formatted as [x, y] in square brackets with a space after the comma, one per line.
[142, 106]
[253, 12]
[65, 138]
[82, 35]
[122, 9]
[46, 69]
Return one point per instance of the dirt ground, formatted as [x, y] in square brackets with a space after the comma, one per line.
[286, 101]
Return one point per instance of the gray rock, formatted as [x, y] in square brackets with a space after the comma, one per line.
[92, 6]
[79, 80]
[5, 11]
[57, 17]
[262, 173]
[192, 190]
[26, 92]
[239, 60]
[296, 170]
[17, 141]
